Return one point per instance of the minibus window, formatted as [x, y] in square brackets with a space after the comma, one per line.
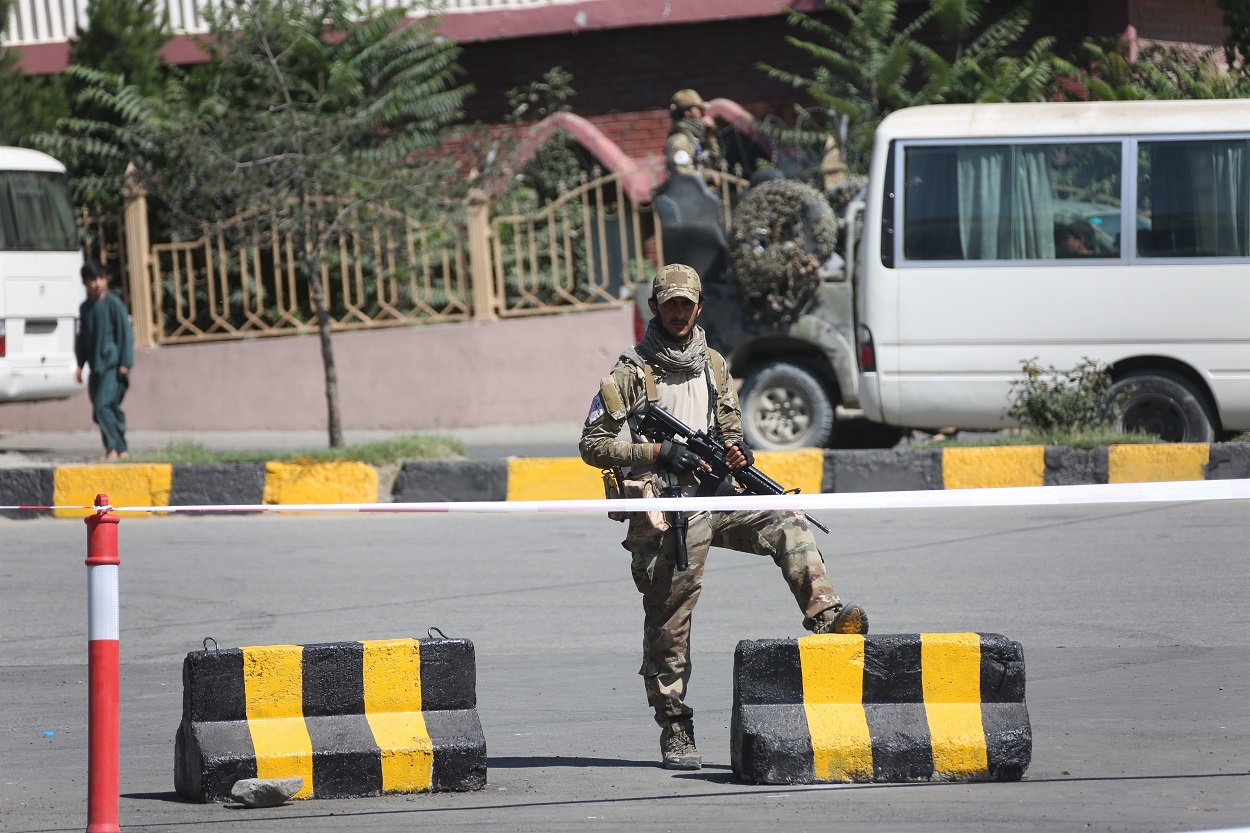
[1026, 201]
[1195, 196]
[887, 213]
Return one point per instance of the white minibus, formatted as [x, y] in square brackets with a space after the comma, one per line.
[1114, 231]
[40, 281]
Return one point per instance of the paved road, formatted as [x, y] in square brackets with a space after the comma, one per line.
[556, 439]
[1133, 621]
[550, 439]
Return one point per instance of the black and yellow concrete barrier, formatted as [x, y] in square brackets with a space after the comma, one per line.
[350, 718]
[29, 492]
[894, 707]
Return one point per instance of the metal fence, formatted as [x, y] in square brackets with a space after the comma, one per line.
[245, 277]
[585, 249]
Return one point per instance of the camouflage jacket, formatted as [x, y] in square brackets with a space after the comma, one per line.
[623, 394]
[683, 154]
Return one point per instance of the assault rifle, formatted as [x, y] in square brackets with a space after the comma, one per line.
[659, 424]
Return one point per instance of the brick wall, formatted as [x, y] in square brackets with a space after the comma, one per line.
[1180, 21]
[624, 77]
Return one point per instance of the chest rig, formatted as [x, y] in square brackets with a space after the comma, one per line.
[713, 372]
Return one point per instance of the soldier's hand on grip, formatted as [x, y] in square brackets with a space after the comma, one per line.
[743, 459]
[676, 458]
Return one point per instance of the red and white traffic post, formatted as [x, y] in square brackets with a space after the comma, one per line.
[104, 696]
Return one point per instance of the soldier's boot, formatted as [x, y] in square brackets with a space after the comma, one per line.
[677, 746]
[845, 619]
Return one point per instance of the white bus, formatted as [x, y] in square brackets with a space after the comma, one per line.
[40, 281]
[1117, 231]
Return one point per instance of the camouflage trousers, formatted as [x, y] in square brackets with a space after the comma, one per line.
[669, 596]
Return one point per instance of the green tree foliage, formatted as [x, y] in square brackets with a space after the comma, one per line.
[124, 37]
[115, 98]
[327, 99]
[132, 127]
[1102, 72]
[298, 102]
[871, 63]
[360, 110]
[555, 166]
[28, 103]
[979, 63]
[1237, 38]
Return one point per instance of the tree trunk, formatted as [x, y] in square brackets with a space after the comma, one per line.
[333, 418]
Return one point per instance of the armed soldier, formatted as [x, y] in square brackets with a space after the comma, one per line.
[673, 367]
[692, 146]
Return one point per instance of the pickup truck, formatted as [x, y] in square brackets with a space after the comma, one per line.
[799, 377]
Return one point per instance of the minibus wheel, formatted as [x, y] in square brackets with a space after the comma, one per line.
[784, 407]
[1164, 404]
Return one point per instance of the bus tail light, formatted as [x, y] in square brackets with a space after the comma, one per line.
[2, 345]
[867, 352]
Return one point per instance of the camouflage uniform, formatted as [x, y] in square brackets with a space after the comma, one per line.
[669, 596]
[690, 148]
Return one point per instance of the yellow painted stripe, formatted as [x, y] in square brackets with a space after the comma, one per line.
[553, 478]
[273, 682]
[993, 466]
[801, 470]
[125, 484]
[568, 478]
[392, 672]
[833, 694]
[1157, 463]
[950, 674]
[308, 482]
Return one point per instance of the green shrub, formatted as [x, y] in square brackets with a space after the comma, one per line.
[1051, 400]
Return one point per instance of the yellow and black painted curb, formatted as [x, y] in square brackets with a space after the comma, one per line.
[350, 718]
[890, 708]
[554, 478]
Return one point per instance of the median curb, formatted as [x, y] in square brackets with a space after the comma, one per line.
[560, 478]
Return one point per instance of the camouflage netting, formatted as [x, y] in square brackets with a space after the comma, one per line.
[840, 195]
[781, 233]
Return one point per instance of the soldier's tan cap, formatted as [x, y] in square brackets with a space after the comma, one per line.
[676, 279]
[688, 98]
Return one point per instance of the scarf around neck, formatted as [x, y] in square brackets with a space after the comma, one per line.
[695, 128]
[662, 352]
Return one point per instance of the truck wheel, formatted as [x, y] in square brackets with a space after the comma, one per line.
[1166, 405]
[785, 407]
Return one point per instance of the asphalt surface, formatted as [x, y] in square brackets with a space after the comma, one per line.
[18, 448]
[1135, 631]
[550, 439]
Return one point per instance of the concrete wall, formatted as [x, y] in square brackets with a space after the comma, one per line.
[541, 369]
